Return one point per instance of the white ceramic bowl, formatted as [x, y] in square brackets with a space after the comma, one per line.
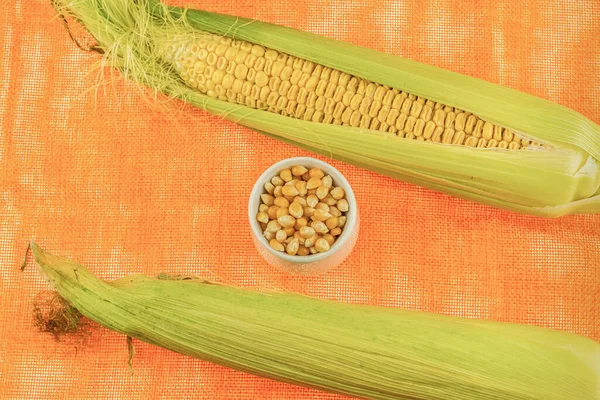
[315, 263]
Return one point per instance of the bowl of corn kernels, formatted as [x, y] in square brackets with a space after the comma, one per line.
[303, 216]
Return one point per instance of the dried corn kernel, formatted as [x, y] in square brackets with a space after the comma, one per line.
[322, 191]
[296, 210]
[299, 237]
[319, 227]
[269, 235]
[269, 187]
[338, 193]
[303, 251]
[302, 207]
[333, 210]
[302, 188]
[332, 223]
[281, 212]
[307, 231]
[330, 201]
[275, 245]
[336, 231]
[287, 221]
[281, 202]
[316, 173]
[300, 200]
[273, 226]
[321, 215]
[281, 236]
[309, 211]
[299, 170]
[300, 222]
[267, 199]
[293, 247]
[312, 200]
[314, 183]
[289, 190]
[322, 206]
[286, 175]
[321, 245]
[262, 217]
[329, 238]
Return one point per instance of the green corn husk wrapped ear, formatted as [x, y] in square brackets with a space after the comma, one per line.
[363, 351]
[417, 123]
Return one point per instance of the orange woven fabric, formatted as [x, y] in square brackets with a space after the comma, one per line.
[97, 174]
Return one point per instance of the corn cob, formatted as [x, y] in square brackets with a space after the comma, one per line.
[427, 126]
[248, 74]
[363, 351]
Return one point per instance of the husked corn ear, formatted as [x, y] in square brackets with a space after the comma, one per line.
[374, 110]
[359, 350]
[260, 78]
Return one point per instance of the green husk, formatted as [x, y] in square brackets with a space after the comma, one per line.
[363, 351]
[563, 179]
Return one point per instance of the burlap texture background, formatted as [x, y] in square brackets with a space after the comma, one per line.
[99, 175]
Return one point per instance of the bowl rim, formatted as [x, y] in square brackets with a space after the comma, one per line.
[340, 181]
